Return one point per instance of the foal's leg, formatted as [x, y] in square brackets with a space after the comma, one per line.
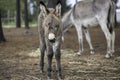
[58, 64]
[80, 38]
[108, 38]
[49, 61]
[42, 51]
[87, 35]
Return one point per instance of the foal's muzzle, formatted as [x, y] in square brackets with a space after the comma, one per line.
[51, 37]
[53, 40]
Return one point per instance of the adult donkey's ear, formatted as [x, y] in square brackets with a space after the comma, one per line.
[43, 9]
[58, 9]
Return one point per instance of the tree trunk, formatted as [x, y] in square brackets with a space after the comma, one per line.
[52, 3]
[2, 38]
[26, 14]
[18, 20]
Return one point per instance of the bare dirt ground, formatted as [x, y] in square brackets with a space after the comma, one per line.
[19, 57]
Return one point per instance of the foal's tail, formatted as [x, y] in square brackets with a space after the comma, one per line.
[112, 17]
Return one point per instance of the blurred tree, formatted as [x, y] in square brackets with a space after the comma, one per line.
[2, 38]
[7, 7]
[3, 8]
[7, 4]
[26, 14]
[52, 4]
[36, 10]
[18, 20]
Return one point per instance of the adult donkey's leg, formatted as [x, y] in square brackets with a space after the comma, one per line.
[80, 38]
[108, 37]
[87, 35]
[58, 63]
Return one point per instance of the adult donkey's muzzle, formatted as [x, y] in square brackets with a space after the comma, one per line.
[51, 37]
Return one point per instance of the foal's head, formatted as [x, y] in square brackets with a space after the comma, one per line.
[52, 21]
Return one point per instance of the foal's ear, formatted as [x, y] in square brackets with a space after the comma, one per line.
[43, 8]
[58, 9]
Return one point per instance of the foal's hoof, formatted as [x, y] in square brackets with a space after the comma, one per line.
[59, 77]
[41, 71]
[48, 78]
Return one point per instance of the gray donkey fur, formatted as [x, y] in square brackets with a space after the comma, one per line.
[89, 13]
[49, 27]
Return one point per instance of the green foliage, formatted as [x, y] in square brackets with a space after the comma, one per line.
[10, 5]
[7, 4]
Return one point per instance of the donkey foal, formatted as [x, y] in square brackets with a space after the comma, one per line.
[49, 27]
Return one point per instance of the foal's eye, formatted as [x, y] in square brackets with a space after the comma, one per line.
[56, 27]
[49, 24]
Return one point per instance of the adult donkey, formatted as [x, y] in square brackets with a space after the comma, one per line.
[49, 27]
[88, 13]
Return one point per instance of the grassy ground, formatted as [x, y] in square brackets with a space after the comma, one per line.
[12, 24]
[19, 57]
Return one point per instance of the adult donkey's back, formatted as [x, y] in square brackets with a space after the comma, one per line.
[88, 13]
[49, 26]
